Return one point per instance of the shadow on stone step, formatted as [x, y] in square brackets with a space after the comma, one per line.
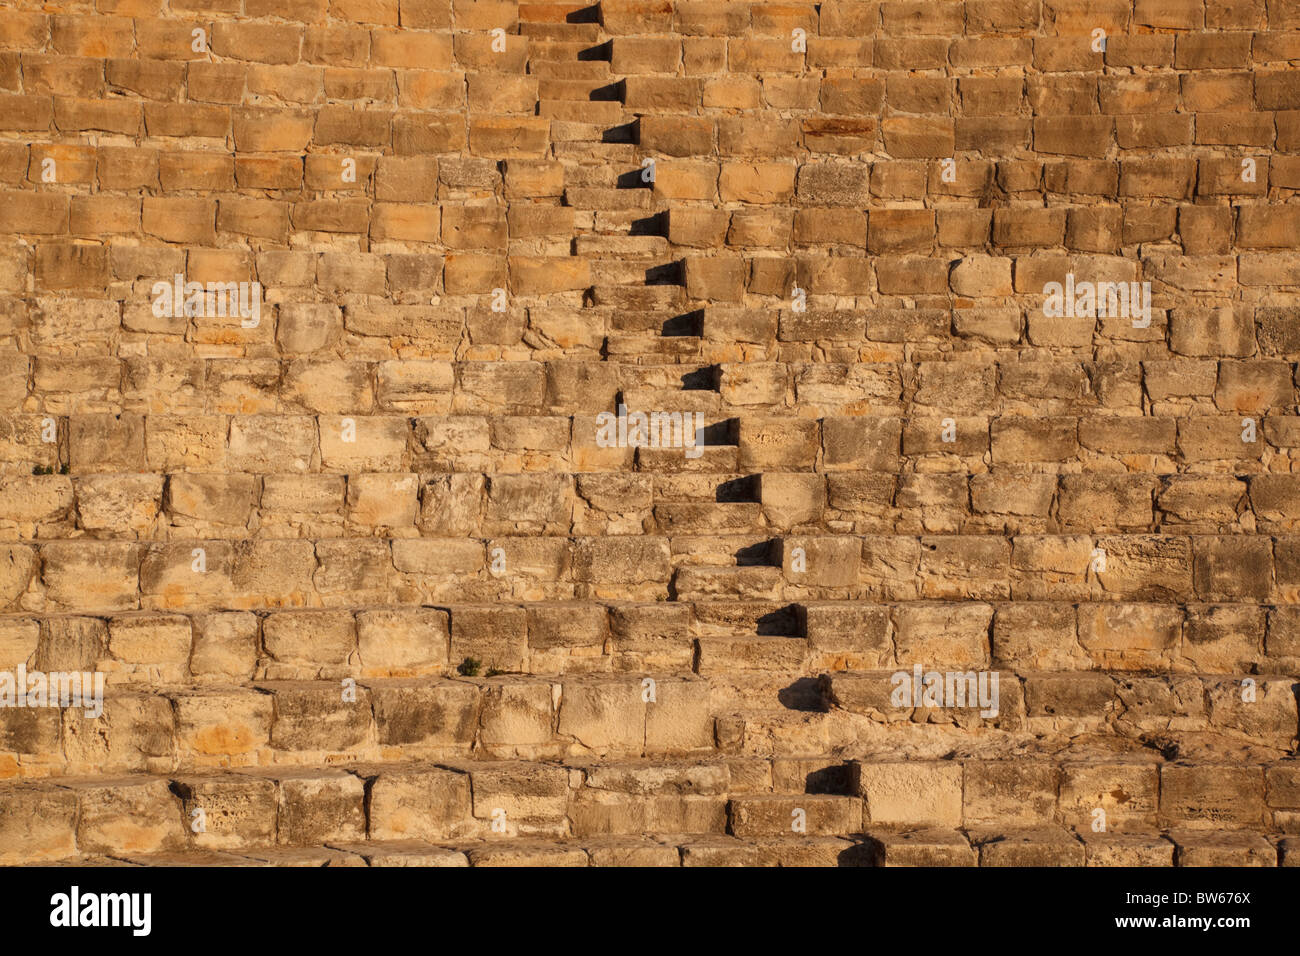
[834, 780]
[589, 14]
[686, 324]
[725, 432]
[704, 379]
[623, 133]
[601, 51]
[860, 854]
[656, 225]
[611, 93]
[781, 623]
[632, 179]
[805, 694]
[737, 490]
[760, 554]
[668, 273]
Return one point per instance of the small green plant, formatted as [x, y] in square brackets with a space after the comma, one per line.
[63, 469]
[470, 667]
[42, 470]
[494, 672]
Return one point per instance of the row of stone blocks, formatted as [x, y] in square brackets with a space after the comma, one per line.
[559, 354]
[912, 252]
[498, 136]
[473, 259]
[927, 112]
[833, 192]
[818, 363]
[306, 445]
[680, 116]
[1189, 400]
[665, 507]
[477, 249]
[384, 199]
[75, 34]
[307, 723]
[909, 256]
[620, 637]
[995, 801]
[1187, 395]
[304, 723]
[197, 575]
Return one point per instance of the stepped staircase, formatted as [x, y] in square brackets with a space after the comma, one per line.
[367, 591]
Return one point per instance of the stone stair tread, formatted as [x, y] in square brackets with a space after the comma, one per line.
[682, 400]
[561, 69]
[601, 113]
[586, 33]
[604, 198]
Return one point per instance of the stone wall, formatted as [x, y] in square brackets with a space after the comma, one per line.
[469, 431]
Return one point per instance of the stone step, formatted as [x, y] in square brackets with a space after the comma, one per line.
[559, 13]
[545, 49]
[191, 378]
[747, 583]
[653, 322]
[921, 847]
[690, 517]
[629, 799]
[744, 690]
[762, 652]
[589, 34]
[704, 401]
[775, 731]
[722, 487]
[673, 377]
[622, 247]
[595, 112]
[594, 197]
[579, 141]
[662, 298]
[1036, 846]
[631, 272]
[561, 69]
[599, 87]
[716, 457]
[653, 349]
[712, 550]
[740, 617]
[809, 814]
